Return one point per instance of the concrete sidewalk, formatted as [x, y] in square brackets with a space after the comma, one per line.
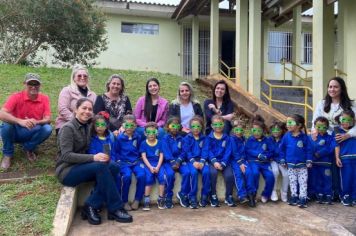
[265, 219]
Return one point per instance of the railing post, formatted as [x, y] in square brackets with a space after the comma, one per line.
[284, 71]
[305, 105]
[270, 96]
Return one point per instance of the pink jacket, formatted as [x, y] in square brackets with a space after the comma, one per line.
[67, 99]
[162, 112]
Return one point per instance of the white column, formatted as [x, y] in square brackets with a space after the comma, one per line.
[341, 52]
[297, 42]
[350, 45]
[254, 62]
[323, 48]
[241, 43]
[214, 37]
[195, 47]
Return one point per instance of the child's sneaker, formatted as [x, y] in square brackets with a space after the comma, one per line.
[264, 199]
[127, 207]
[214, 201]
[230, 201]
[193, 204]
[346, 200]
[319, 198]
[203, 201]
[135, 205]
[146, 204]
[274, 196]
[251, 200]
[161, 203]
[293, 201]
[243, 200]
[328, 200]
[303, 203]
[183, 200]
[169, 203]
[354, 202]
[284, 196]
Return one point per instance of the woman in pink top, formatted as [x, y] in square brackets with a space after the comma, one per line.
[151, 107]
[68, 97]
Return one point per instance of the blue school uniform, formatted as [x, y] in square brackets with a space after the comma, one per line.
[219, 150]
[244, 181]
[348, 169]
[127, 153]
[172, 153]
[97, 144]
[259, 152]
[320, 175]
[152, 154]
[192, 152]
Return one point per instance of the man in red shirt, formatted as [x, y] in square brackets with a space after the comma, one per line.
[26, 117]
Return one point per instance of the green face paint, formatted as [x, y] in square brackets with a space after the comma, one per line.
[195, 127]
[344, 120]
[320, 127]
[100, 124]
[174, 126]
[291, 123]
[276, 130]
[256, 131]
[238, 130]
[218, 124]
[151, 132]
[129, 125]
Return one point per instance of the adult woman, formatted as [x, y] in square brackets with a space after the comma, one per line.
[221, 104]
[185, 106]
[114, 102]
[336, 100]
[74, 167]
[69, 95]
[151, 107]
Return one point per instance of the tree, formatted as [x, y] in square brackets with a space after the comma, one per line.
[75, 29]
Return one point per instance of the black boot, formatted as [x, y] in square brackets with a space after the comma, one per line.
[120, 216]
[251, 200]
[90, 214]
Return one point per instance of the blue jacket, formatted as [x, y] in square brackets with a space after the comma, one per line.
[347, 149]
[97, 145]
[277, 155]
[238, 149]
[217, 150]
[152, 152]
[323, 149]
[297, 150]
[192, 148]
[172, 149]
[259, 150]
[127, 150]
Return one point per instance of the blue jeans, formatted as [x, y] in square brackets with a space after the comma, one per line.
[29, 138]
[105, 190]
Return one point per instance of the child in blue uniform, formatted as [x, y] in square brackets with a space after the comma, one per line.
[174, 161]
[320, 179]
[244, 179]
[152, 156]
[278, 129]
[192, 152]
[259, 152]
[296, 153]
[217, 149]
[346, 159]
[127, 154]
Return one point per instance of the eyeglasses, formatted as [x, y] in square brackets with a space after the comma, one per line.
[345, 120]
[291, 123]
[151, 132]
[100, 124]
[218, 124]
[238, 130]
[33, 84]
[82, 76]
[276, 130]
[321, 127]
[195, 127]
[257, 131]
[129, 125]
[174, 126]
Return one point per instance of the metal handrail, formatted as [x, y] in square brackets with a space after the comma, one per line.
[306, 89]
[229, 69]
[306, 78]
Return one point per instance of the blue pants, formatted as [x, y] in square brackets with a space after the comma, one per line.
[150, 178]
[205, 172]
[105, 190]
[245, 182]
[126, 172]
[170, 178]
[336, 181]
[312, 182]
[321, 180]
[30, 139]
[228, 178]
[265, 170]
[348, 178]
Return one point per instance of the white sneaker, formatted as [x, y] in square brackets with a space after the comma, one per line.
[274, 196]
[264, 199]
[284, 196]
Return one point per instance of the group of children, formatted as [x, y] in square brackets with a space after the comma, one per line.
[304, 161]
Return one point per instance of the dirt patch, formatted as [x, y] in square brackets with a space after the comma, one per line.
[6, 177]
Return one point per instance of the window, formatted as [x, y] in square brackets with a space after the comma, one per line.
[279, 46]
[307, 48]
[139, 28]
